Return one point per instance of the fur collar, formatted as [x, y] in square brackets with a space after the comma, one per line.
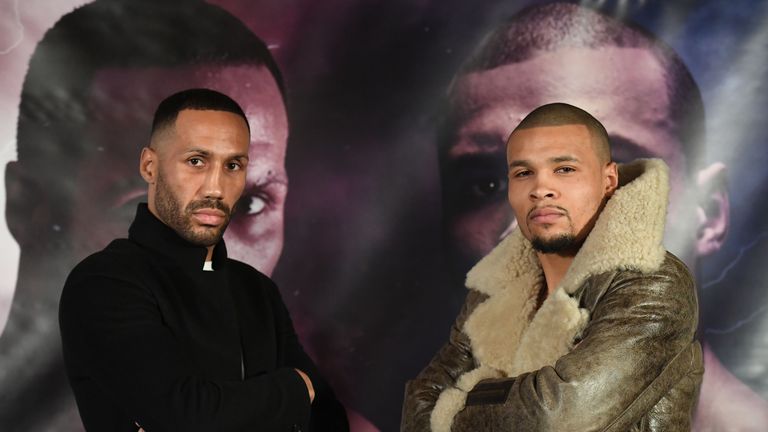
[508, 335]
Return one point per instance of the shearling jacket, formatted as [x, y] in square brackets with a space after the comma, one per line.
[612, 348]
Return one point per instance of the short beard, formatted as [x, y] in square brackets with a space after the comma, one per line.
[561, 244]
[169, 211]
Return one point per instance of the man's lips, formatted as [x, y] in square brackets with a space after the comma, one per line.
[545, 215]
[209, 216]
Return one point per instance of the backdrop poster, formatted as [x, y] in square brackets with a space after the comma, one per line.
[397, 113]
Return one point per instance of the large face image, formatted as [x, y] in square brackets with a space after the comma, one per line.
[382, 191]
[104, 209]
[624, 88]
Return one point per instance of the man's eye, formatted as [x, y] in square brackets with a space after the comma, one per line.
[488, 187]
[566, 169]
[475, 181]
[520, 174]
[195, 161]
[256, 205]
[234, 166]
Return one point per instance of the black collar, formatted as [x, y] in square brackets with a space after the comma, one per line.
[149, 231]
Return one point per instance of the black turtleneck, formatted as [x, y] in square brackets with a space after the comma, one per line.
[149, 337]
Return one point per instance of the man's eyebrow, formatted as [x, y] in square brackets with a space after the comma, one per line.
[564, 158]
[496, 159]
[519, 163]
[241, 156]
[198, 151]
[476, 143]
[270, 178]
[557, 159]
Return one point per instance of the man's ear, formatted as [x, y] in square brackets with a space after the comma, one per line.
[14, 199]
[148, 165]
[26, 205]
[713, 209]
[611, 173]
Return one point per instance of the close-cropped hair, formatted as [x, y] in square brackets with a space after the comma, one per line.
[559, 114]
[193, 99]
[555, 26]
[120, 34]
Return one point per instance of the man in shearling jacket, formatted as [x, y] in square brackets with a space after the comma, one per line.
[579, 320]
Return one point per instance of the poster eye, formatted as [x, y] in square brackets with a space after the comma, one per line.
[256, 205]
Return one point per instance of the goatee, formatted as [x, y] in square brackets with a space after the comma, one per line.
[560, 244]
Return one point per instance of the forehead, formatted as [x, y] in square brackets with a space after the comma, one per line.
[124, 99]
[211, 130]
[126, 93]
[625, 88]
[545, 142]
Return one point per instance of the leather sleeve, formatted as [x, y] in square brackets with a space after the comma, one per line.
[452, 360]
[620, 369]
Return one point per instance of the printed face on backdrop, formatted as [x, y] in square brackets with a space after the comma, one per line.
[126, 98]
[624, 88]
[195, 169]
[557, 185]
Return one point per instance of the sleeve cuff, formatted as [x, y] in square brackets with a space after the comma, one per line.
[452, 400]
[297, 397]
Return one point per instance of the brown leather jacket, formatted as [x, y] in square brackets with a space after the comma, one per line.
[612, 349]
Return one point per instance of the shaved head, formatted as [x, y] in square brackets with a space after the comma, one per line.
[559, 114]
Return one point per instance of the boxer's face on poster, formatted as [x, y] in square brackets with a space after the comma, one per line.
[623, 88]
[109, 187]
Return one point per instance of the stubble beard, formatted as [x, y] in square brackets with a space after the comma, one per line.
[569, 242]
[169, 210]
[560, 244]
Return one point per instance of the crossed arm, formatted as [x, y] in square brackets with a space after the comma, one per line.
[635, 348]
[113, 330]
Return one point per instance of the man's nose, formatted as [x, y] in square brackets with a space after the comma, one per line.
[213, 188]
[543, 189]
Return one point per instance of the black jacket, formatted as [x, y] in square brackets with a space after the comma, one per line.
[150, 338]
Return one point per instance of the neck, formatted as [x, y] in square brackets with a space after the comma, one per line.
[554, 267]
[209, 256]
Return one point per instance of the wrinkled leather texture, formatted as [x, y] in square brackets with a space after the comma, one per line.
[637, 366]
